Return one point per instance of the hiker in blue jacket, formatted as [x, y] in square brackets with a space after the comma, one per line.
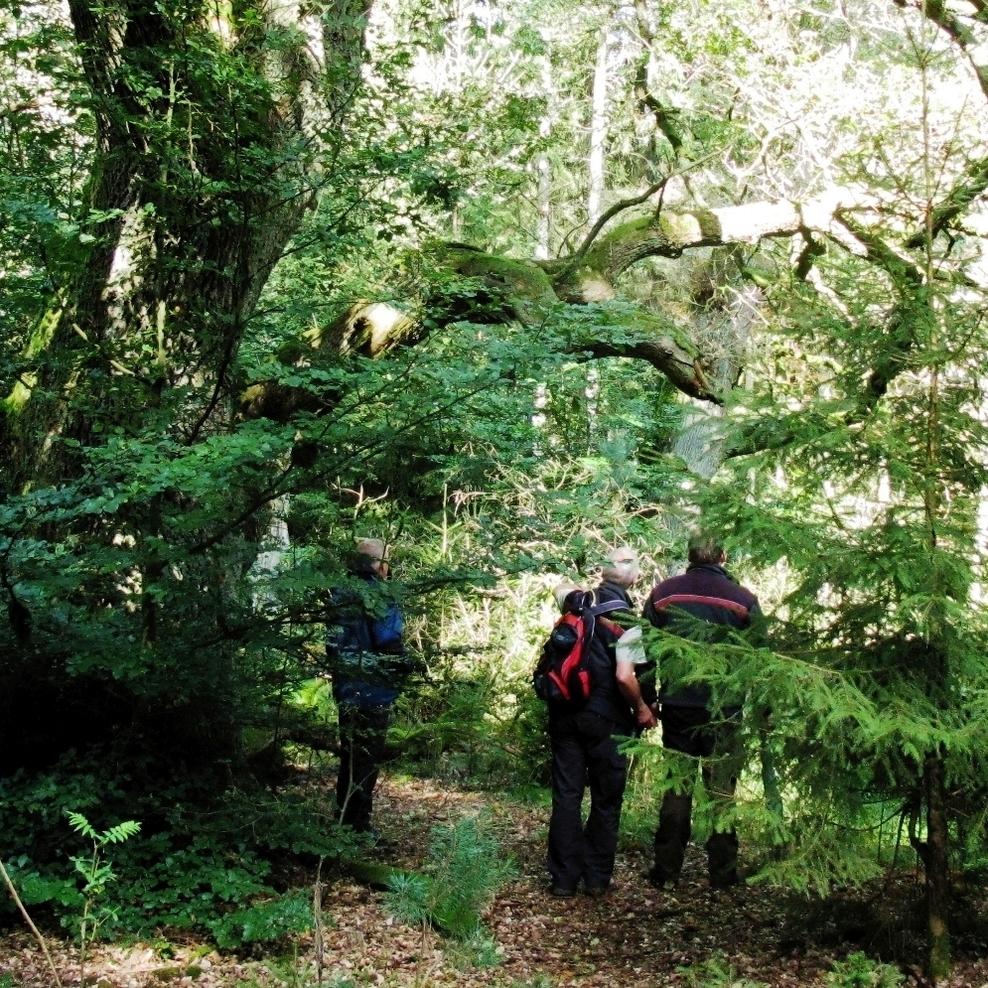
[585, 744]
[703, 604]
[366, 656]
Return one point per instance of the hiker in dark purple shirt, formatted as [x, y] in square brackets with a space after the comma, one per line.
[703, 604]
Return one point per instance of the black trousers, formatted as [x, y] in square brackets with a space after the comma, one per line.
[585, 752]
[363, 732]
[689, 731]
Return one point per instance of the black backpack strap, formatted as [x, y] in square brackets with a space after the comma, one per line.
[608, 606]
[591, 614]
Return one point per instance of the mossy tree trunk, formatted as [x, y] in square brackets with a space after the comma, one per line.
[528, 292]
[208, 123]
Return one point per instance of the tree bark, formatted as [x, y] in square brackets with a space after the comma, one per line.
[937, 872]
[528, 292]
[208, 123]
[598, 131]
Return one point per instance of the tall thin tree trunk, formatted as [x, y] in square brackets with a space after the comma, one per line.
[598, 133]
[543, 231]
[937, 876]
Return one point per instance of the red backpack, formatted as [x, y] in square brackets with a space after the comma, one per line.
[562, 674]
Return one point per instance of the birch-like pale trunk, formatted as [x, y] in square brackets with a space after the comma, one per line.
[598, 133]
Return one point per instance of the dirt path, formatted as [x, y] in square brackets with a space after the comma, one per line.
[634, 936]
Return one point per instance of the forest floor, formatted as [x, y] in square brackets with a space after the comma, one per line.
[634, 936]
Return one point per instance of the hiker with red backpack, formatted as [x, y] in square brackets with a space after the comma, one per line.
[593, 707]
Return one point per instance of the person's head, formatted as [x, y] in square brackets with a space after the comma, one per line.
[621, 566]
[704, 549]
[372, 555]
[562, 593]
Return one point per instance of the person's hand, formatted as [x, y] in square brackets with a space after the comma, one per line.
[646, 717]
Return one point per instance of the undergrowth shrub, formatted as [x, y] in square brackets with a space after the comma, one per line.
[463, 870]
[860, 971]
[483, 730]
[212, 866]
[716, 972]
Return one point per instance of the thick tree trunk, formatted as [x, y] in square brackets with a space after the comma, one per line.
[207, 129]
[529, 292]
[211, 122]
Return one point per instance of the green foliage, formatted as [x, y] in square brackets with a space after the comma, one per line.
[294, 971]
[97, 873]
[201, 865]
[35, 888]
[716, 973]
[481, 729]
[447, 719]
[463, 870]
[161, 638]
[852, 496]
[483, 951]
[859, 971]
[46, 150]
[114, 835]
[264, 922]
[139, 574]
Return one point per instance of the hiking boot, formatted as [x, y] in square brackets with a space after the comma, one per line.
[659, 881]
[597, 891]
[562, 892]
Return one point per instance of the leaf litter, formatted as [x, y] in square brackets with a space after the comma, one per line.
[635, 935]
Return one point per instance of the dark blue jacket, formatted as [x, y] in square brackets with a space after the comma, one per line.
[364, 645]
[703, 604]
